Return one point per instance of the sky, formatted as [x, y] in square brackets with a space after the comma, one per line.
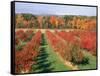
[51, 9]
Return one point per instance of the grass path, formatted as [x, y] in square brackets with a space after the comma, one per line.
[48, 60]
[68, 63]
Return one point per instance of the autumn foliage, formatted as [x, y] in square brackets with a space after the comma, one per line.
[25, 58]
[59, 22]
[70, 52]
[67, 36]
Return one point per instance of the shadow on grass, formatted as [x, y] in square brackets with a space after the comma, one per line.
[85, 61]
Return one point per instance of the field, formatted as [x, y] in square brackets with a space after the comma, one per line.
[52, 43]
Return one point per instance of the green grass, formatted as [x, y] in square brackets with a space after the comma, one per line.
[57, 63]
[91, 61]
[48, 60]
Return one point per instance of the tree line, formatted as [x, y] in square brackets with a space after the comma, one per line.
[25, 20]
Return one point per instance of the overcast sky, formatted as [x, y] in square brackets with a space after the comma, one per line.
[42, 9]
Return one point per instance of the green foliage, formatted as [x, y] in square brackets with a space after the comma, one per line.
[27, 16]
[30, 37]
[16, 16]
[20, 25]
[30, 25]
[20, 46]
[68, 17]
[93, 17]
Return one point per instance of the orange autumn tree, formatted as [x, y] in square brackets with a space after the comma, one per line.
[19, 19]
[53, 20]
[73, 22]
[94, 24]
[83, 23]
[26, 23]
[39, 19]
[88, 24]
[61, 22]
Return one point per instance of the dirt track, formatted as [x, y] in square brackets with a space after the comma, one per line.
[43, 30]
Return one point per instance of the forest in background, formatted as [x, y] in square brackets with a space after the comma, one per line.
[25, 20]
